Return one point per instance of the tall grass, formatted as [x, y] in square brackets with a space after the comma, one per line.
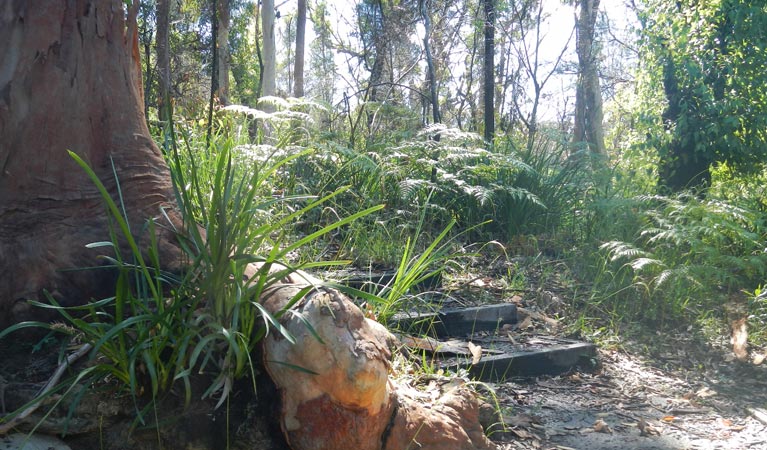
[162, 329]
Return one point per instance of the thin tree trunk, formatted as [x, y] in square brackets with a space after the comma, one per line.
[489, 70]
[433, 97]
[381, 44]
[300, 49]
[164, 104]
[269, 86]
[213, 73]
[588, 99]
[223, 51]
[145, 39]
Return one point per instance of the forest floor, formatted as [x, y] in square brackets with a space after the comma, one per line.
[657, 390]
[692, 400]
[662, 390]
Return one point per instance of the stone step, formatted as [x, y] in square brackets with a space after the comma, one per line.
[555, 358]
[456, 322]
[506, 352]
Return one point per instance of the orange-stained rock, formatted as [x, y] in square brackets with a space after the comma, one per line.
[336, 390]
[450, 423]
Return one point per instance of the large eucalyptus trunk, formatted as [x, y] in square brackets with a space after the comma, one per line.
[70, 79]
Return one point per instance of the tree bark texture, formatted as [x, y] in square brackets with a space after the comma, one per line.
[588, 96]
[432, 77]
[489, 70]
[164, 103]
[269, 86]
[298, 90]
[381, 44]
[70, 79]
[222, 52]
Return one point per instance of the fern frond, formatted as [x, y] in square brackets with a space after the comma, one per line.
[617, 250]
[640, 264]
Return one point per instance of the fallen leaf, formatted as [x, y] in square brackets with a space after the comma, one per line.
[600, 426]
[575, 377]
[527, 323]
[521, 420]
[758, 359]
[705, 392]
[668, 419]
[645, 429]
[520, 433]
[476, 352]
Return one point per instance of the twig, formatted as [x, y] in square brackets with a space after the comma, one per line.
[758, 414]
[52, 381]
[680, 411]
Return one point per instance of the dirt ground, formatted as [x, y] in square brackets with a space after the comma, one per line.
[693, 398]
[666, 390]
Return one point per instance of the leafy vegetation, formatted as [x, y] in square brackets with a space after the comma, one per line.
[300, 184]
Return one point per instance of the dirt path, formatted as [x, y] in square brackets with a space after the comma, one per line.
[633, 403]
[669, 390]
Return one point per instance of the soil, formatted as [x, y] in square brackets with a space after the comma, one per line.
[636, 402]
[661, 390]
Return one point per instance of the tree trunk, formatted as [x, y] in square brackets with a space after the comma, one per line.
[70, 80]
[298, 90]
[146, 35]
[381, 49]
[165, 105]
[433, 97]
[222, 52]
[588, 97]
[269, 86]
[680, 166]
[489, 70]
